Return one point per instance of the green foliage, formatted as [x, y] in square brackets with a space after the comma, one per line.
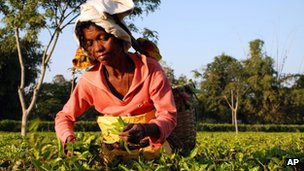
[207, 127]
[47, 126]
[118, 128]
[218, 79]
[262, 86]
[30, 17]
[24, 16]
[175, 82]
[291, 97]
[10, 72]
[264, 97]
[43, 152]
[150, 35]
[22, 22]
[10, 125]
[299, 83]
[51, 99]
[263, 151]
[144, 6]
[82, 126]
[214, 151]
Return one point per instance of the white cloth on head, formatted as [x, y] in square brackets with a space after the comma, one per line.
[100, 11]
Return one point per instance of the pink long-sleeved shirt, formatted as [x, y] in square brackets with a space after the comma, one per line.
[150, 89]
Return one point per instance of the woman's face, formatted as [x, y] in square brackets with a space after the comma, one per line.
[104, 47]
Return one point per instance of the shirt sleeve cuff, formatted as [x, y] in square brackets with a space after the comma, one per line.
[65, 135]
[162, 136]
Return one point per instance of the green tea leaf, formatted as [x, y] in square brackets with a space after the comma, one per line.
[121, 122]
[126, 146]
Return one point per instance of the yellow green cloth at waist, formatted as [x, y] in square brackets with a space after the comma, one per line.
[107, 124]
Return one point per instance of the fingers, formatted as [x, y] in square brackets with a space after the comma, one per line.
[133, 133]
[125, 132]
[144, 142]
[127, 127]
[128, 130]
[70, 138]
[136, 133]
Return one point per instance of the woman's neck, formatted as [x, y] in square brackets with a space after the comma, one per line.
[120, 68]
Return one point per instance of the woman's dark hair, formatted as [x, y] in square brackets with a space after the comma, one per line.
[80, 26]
[79, 31]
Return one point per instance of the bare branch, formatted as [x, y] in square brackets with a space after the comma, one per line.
[44, 55]
[69, 22]
[65, 7]
[53, 47]
[71, 13]
[22, 77]
[56, 17]
[225, 97]
[45, 60]
[237, 100]
[232, 100]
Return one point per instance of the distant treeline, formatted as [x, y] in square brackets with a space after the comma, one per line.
[252, 89]
[92, 126]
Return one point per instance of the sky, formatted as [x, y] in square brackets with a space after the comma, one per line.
[193, 32]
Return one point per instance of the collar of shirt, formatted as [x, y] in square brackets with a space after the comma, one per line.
[95, 76]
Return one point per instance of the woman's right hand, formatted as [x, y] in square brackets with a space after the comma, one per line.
[133, 133]
[70, 139]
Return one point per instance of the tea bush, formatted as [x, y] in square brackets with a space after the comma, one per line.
[214, 151]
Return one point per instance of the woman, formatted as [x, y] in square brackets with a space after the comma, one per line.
[120, 84]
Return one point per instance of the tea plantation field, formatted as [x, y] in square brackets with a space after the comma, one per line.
[214, 151]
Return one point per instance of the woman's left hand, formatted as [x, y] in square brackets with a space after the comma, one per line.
[133, 133]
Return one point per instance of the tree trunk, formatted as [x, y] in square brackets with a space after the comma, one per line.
[21, 86]
[235, 111]
[45, 58]
[235, 121]
[62, 19]
[24, 124]
[232, 117]
[233, 104]
[27, 109]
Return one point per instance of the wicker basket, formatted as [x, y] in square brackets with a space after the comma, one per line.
[183, 137]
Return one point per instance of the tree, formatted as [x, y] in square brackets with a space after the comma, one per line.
[27, 18]
[10, 73]
[291, 95]
[51, 98]
[169, 72]
[235, 86]
[299, 82]
[181, 80]
[144, 7]
[261, 102]
[222, 84]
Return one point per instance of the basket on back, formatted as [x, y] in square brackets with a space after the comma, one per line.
[183, 137]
